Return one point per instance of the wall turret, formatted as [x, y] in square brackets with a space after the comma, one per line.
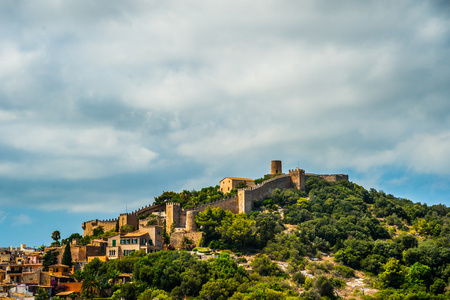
[275, 167]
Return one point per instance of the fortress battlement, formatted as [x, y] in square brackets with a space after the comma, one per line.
[243, 202]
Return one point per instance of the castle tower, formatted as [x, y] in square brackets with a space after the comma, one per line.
[275, 167]
[173, 211]
[298, 178]
[129, 219]
[190, 221]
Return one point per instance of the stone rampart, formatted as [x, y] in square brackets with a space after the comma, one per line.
[176, 238]
[248, 195]
[148, 209]
[228, 203]
[89, 226]
[328, 177]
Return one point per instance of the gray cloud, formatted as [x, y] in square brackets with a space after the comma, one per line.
[95, 91]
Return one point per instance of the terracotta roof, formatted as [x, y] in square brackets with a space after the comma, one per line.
[237, 178]
[22, 295]
[74, 286]
[135, 234]
[59, 276]
[65, 293]
[59, 266]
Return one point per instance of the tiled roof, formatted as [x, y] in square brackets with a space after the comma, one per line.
[237, 178]
[135, 234]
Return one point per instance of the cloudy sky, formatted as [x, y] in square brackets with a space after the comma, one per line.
[106, 104]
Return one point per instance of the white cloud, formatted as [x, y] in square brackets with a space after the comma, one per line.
[3, 217]
[21, 219]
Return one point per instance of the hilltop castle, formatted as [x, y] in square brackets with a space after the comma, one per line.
[183, 219]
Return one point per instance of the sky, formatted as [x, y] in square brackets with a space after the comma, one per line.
[106, 104]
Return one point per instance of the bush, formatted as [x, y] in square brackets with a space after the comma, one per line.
[242, 260]
[343, 271]
[299, 278]
[152, 222]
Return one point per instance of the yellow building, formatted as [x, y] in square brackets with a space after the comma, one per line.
[229, 183]
[147, 238]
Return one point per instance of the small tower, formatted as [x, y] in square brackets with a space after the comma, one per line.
[190, 221]
[275, 167]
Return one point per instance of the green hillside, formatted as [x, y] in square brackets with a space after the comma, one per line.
[336, 240]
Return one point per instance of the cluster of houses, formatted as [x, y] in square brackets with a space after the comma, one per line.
[22, 274]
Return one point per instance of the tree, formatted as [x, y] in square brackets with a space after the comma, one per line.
[56, 235]
[50, 258]
[238, 229]
[420, 275]
[90, 287]
[71, 238]
[393, 276]
[324, 286]
[67, 256]
[438, 287]
[41, 294]
[98, 232]
[265, 267]
[241, 185]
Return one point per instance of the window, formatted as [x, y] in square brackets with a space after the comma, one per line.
[113, 243]
[112, 252]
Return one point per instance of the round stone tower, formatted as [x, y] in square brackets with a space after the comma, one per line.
[190, 222]
[275, 167]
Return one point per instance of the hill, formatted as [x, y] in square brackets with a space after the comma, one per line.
[334, 239]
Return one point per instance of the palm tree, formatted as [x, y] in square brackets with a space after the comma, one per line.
[78, 275]
[90, 287]
[56, 235]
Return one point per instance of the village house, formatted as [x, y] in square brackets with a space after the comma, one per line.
[229, 183]
[147, 238]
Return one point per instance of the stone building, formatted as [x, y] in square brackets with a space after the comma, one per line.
[229, 183]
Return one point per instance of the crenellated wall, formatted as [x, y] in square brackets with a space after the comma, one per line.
[148, 209]
[249, 195]
[228, 203]
[89, 226]
[328, 177]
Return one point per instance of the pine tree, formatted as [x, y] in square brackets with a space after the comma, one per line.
[67, 256]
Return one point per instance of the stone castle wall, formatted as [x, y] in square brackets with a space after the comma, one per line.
[249, 195]
[89, 226]
[176, 238]
[129, 219]
[148, 209]
[229, 203]
[328, 177]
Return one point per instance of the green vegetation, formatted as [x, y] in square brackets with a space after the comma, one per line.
[189, 199]
[50, 258]
[67, 256]
[402, 248]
